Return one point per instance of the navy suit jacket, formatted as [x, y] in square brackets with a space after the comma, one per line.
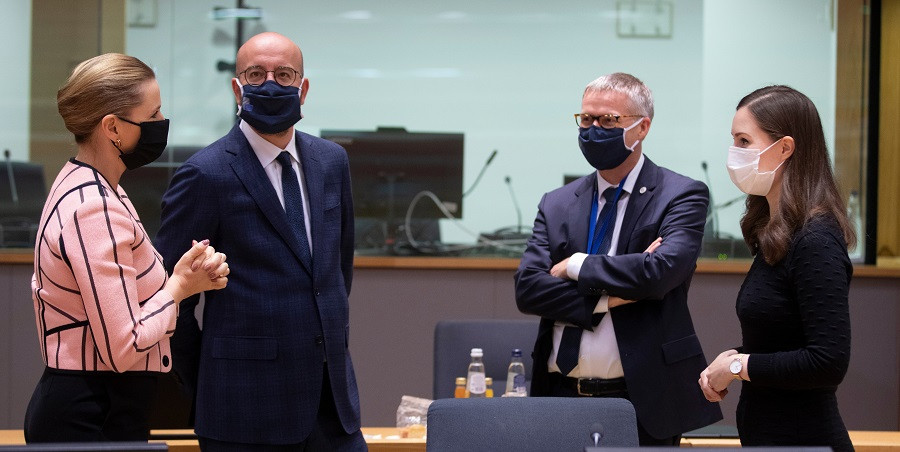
[660, 352]
[257, 365]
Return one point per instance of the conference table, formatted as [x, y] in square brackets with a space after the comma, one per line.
[389, 439]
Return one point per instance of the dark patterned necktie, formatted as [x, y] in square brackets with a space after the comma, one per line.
[570, 344]
[293, 203]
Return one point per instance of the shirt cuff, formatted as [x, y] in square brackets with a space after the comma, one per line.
[574, 265]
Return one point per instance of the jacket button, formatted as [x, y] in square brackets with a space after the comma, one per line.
[320, 339]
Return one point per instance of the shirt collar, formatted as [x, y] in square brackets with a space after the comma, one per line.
[267, 152]
[630, 179]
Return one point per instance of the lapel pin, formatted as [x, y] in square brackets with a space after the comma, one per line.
[642, 190]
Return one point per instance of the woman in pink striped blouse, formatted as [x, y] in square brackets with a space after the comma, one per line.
[104, 305]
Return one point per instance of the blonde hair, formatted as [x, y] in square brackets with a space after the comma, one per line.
[106, 84]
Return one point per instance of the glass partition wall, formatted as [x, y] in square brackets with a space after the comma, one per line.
[508, 78]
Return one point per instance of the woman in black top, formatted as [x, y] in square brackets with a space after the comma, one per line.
[793, 309]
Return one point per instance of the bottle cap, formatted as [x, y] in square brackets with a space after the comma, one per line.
[477, 353]
[461, 381]
[488, 380]
[517, 353]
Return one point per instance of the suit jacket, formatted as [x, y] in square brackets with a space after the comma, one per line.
[98, 284]
[257, 365]
[660, 352]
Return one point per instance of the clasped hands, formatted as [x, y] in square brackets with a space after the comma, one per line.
[200, 269]
[714, 380]
[560, 271]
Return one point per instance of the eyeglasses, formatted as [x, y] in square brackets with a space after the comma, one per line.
[256, 75]
[606, 121]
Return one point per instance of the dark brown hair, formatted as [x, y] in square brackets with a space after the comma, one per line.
[808, 188]
[107, 84]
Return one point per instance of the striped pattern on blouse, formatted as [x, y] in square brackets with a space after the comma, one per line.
[98, 282]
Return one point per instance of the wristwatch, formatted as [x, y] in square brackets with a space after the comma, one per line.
[736, 367]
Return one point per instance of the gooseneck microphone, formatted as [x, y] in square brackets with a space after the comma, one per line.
[12, 179]
[481, 173]
[512, 194]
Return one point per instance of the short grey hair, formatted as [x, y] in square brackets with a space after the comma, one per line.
[627, 84]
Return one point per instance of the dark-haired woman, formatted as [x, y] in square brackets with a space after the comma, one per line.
[792, 306]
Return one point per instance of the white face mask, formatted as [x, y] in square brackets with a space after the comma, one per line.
[743, 167]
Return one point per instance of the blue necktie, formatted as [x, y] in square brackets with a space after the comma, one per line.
[569, 345]
[293, 203]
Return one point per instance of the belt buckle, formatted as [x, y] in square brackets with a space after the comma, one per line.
[578, 387]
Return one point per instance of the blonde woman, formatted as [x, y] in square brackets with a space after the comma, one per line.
[104, 305]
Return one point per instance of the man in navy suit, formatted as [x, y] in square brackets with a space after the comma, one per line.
[608, 269]
[269, 364]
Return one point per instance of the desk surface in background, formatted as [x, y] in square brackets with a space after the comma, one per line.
[384, 439]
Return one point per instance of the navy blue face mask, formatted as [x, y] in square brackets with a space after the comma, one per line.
[270, 108]
[605, 148]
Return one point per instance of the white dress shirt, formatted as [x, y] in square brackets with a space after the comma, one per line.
[599, 352]
[267, 153]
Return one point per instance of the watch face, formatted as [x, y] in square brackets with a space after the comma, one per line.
[736, 367]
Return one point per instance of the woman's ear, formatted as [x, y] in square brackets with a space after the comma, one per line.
[787, 147]
[108, 128]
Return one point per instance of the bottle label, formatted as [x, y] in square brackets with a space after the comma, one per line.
[476, 383]
[519, 384]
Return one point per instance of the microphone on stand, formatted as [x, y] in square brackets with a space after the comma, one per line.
[12, 179]
[712, 212]
[481, 173]
[512, 194]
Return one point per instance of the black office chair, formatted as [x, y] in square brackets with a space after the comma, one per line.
[524, 424]
[454, 340]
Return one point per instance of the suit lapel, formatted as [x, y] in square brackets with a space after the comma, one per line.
[315, 188]
[579, 223]
[637, 201]
[251, 174]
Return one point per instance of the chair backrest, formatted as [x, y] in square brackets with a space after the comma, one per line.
[454, 339]
[530, 424]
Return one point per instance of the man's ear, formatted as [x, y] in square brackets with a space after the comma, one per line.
[304, 88]
[236, 89]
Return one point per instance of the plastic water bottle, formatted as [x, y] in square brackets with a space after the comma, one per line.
[515, 376]
[475, 380]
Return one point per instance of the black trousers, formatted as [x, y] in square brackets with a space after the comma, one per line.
[558, 389]
[69, 406]
[328, 434]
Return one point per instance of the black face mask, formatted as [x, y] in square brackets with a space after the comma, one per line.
[150, 145]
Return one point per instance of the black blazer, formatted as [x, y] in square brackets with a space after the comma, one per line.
[660, 352]
[257, 364]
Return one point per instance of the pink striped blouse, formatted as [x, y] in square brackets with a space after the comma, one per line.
[98, 282]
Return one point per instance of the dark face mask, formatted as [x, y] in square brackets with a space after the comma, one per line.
[150, 145]
[270, 108]
[604, 148]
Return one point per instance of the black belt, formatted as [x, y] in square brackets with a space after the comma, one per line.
[594, 387]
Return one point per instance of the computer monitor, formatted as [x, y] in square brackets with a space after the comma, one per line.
[22, 196]
[390, 166]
